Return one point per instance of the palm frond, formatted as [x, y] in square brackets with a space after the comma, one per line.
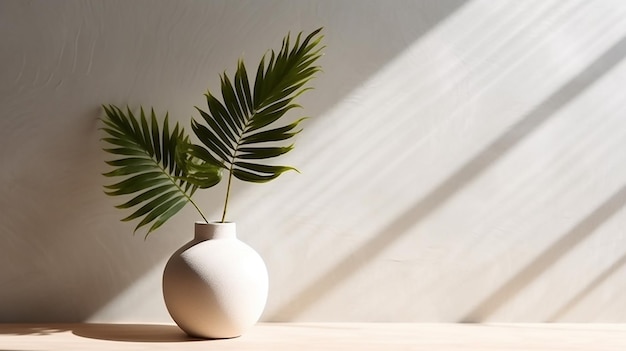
[240, 128]
[152, 166]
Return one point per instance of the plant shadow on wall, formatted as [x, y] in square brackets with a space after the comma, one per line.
[548, 258]
[470, 170]
[601, 278]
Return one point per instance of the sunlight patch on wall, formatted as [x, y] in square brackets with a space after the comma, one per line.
[410, 127]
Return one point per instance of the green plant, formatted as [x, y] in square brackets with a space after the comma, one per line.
[163, 168]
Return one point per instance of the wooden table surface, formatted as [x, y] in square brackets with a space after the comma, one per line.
[320, 337]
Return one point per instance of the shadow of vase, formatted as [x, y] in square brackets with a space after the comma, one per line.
[133, 332]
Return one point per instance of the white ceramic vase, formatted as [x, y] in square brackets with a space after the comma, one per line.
[215, 286]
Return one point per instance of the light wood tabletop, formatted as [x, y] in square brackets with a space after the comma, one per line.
[320, 337]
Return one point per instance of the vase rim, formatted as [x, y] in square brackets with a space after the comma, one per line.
[214, 230]
[214, 223]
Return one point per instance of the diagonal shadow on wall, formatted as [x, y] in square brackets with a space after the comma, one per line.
[605, 275]
[549, 257]
[470, 170]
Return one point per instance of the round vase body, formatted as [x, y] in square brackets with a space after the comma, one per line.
[215, 286]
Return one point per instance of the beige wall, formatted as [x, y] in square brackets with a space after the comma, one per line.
[465, 160]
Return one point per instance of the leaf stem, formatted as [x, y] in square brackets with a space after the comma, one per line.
[232, 164]
[230, 178]
[197, 208]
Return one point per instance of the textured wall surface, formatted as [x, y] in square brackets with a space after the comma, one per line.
[465, 160]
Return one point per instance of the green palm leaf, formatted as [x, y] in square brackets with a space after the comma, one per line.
[153, 166]
[239, 130]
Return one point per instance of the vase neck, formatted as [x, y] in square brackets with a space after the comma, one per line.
[215, 230]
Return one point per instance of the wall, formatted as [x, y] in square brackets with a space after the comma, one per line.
[465, 160]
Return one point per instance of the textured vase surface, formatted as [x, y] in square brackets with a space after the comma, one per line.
[215, 286]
